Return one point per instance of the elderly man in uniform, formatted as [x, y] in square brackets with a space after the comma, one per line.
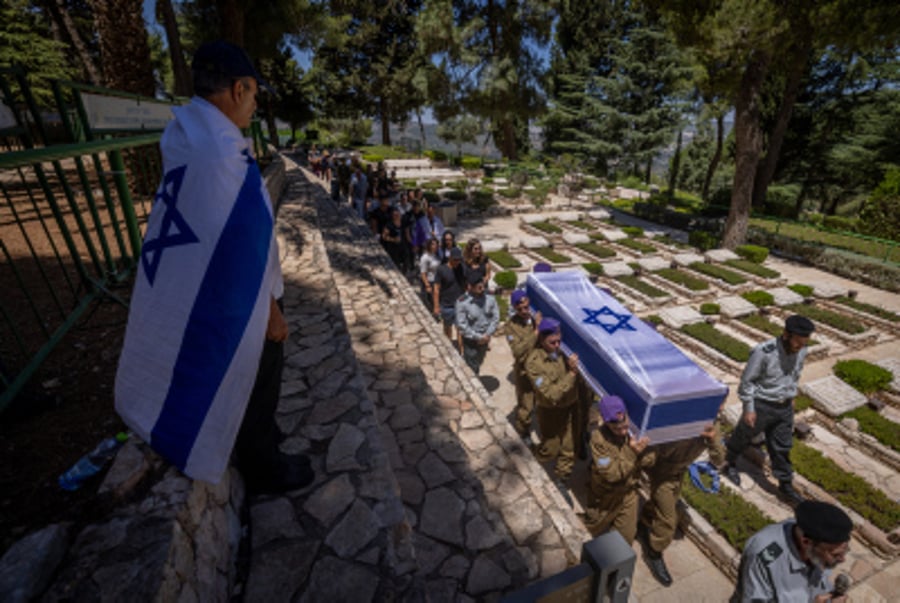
[659, 516]
[521, 333]
[552, 377]
[792, 560]
[477, 317]
[767, 389]
[617, 459]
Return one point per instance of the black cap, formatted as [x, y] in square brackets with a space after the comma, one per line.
[456, 253]
[799, 325]
[823, 522]
[224, 58]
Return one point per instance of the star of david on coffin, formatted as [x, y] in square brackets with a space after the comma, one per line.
[620, 321]
[151, 254]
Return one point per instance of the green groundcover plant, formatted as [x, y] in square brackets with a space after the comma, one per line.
[547, 227]
[581, 224]
[753, 253]
[863, 376]
[758, 298]
[804, 290]
[685, 280]
[504, 259]
[717, 272]
[506, 279]
[752, 268]
[596, 250]
[552, 256]
[832, 319]
[638, 285]
[869, 309]
[594, 268]
[727, 345]
[731, 515]
[638, 246]
[881, 428]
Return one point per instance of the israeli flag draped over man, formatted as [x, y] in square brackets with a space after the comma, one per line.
[197, 323]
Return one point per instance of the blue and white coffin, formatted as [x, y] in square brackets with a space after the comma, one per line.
[667, 395]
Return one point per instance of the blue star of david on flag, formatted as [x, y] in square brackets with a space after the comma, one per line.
[151, 254]
[620, 321]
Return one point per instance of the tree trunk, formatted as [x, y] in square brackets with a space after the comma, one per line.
[717, 156]
[421, 128]
[748, 145]
[385, 122]
[60, 16]
[507, 143]
[676, 166]
[648, 170]
[231, 21]
[766, 169]
[123, 46]
[166, 15]
[270, 121]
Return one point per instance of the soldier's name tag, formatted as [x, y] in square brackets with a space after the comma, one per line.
[603, 461]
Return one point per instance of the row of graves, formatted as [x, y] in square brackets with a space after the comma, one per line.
[714, 307]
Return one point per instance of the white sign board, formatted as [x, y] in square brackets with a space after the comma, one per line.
[112, 113]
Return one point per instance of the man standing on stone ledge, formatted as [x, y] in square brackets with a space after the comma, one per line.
[200, 370]
[521, 333]
[477, 317]
[767, 390]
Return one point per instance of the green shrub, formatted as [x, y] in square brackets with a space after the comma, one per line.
[431, 196]
[703, 240]
[882, 429]
[638, 285]
[869, 309]
[832, 319]
[372, 158]
[730, 514]
[431, 186]
[752, 253]
[849, 489]
[455, 195]
[409, 184]
[727, 345]
[752, 268]
[761, 323]
[552, 256]
[487, 180]
[599, 236]
[471, 163]
[802, 402]
[436, 155]
[708, 309]
[506, 279]
[685, 280]
[503, 306]
[483, 199]
[637, 245]
[509, 193]
[596, 250]
[581, 224]
[760, 299]
[654, 319]
[864, 376]
[594, 268]
[839, 223]
[804, 290]
[633, 231]
[717, 272]
[504, 259]
[546, 227]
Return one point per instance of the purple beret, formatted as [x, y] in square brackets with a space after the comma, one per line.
[542, 267]
[517, 296]
[611, 407]
[548, 325]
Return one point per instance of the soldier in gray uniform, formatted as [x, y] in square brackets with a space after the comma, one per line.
[792, 560]
[477, 317]
[767, 390]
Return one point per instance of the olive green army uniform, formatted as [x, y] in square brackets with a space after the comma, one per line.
[660, 514]
[554, 393]
[521, 336]
[615, 474]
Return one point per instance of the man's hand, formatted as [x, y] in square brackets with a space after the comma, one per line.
[572, 362]
[827, 598]
[277, 329]
[538, 317]
[484, 340]
[750, 419]
[710, 432]
[638, 445]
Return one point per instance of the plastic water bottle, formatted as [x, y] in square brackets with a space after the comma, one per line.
[91, 463]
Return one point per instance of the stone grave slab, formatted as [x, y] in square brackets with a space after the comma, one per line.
[679, 316]
[568, 216]
[599, 214]
[892, 364]
[492, 245]
[614, 269]
[532, 242]
[653, 264]
[785, 297]
[502, 182]
[828, 290]
[613, 234]
[735, 306]
[832, 396]
[574, 238]
[532, 218]
[686, 259]
[721, 255]
[653, 233]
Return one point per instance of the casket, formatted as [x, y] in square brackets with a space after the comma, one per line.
[668, 396]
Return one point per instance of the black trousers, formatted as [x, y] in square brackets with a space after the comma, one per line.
[777, 422]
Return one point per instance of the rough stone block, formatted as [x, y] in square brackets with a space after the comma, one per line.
[614, 269]
[532, 218]
[653, 264]
[785, 297]
[568, 216]
[735, 306]
[686, 259]
[599, 214]
[679, 316]
[492, 245]
[721, 255]
[29, 564]
[832, 396]
[574, 238]
[442, 516]
[613, 234]
[532, 242]
[828, 290]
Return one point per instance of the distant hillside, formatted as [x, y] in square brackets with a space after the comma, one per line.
[411, 138]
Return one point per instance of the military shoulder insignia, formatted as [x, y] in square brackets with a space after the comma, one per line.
[770, 553]
[769, 348]
[538, 381]
[603, 461]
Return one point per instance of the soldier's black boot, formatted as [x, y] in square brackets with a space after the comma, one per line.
[790, 495]
[732, 474]
[658, 567]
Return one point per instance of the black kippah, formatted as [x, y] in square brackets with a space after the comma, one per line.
[823, 522]
[799, 325]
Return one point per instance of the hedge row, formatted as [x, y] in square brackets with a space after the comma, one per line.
[869, 309]
[881, 428]
[504, 259]
[552, 256]
[708, 334]
[753, 268]
[685, 280]
[717, 272]
[729, 513]
[547, 227]
[506, 279]
[596, 250]
[752, 253]
[639, 285]
[637, 245]
[832, 319]
[849, 489]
